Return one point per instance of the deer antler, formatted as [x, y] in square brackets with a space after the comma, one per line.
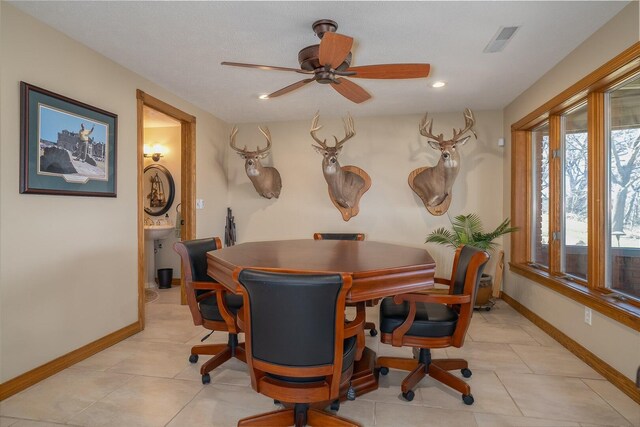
[349, 131]
[314, 128]
[469, 121]
[424, 123]
[267, 135]
[232, 141]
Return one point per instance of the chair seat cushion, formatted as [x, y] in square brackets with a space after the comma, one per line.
[348, 357]
[209, 306]
[431, 321]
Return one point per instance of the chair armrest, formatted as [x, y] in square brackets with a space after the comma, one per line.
[211, 286]
[356, 325]
[398, 333]
[204, 286]
[442, 281]
[356, 328]
[240, 319]
[216, 289]
[227, 315]
[432, 298]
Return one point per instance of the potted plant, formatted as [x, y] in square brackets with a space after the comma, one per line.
[467, 230]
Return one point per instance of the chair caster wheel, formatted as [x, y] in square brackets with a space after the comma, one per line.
[206, 379]
[467, 399]
[335, 405]
[384, 370]
[373, 332]
[410, 395]
[193, 358]
[466, 372]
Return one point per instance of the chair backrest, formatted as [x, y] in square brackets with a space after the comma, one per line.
[468, 265]
[193, 254]
[294, 324]
[338, 236]
[194, 257]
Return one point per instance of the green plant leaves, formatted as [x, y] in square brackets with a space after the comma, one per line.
[467, 230]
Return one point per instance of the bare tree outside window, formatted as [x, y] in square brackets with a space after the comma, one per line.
[575, 191]
[623, 255]
[540, 192]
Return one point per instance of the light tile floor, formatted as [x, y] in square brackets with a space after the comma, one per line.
[521, 377]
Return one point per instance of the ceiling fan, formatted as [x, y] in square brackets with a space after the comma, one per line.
[330, 63]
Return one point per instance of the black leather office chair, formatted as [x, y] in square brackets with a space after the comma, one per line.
[370, 326]
[210, 304]
[299, 349]
[427, 321]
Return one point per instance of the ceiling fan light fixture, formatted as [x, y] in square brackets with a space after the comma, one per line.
[438, 84]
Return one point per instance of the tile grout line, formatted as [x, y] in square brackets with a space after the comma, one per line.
[604, 399]
[185, 405]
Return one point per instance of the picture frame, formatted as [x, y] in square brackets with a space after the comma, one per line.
[67, 147]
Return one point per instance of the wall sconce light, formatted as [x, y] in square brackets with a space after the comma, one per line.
[155, 152]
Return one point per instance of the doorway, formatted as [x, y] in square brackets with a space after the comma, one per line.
[187, 137]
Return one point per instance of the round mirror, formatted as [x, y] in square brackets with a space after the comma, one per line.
[159, 190]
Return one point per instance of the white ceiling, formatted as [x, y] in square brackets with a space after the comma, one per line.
[179, 45]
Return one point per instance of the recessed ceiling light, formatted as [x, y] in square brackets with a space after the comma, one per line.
[264, 96]
[438, 84]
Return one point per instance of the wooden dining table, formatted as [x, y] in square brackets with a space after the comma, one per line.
[378, 270]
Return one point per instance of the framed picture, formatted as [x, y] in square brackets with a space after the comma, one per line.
[67, 147]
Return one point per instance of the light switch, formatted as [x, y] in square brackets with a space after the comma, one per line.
[199, 203]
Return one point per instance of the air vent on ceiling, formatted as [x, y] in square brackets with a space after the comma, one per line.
[500, 40]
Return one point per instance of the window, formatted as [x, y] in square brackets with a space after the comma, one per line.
[540, 208]
[575, 185]
[574, 198]
[623, 224]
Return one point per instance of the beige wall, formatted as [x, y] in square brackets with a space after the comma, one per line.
[65, 282]
[614, 343]
[388, 149]
[169, 137]
[54, 278]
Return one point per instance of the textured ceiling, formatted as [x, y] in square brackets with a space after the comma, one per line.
[179, 45]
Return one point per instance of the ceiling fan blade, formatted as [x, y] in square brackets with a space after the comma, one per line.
[266, 67]
[334, 49]
[290, 88]
[350, 90]
[391, 71]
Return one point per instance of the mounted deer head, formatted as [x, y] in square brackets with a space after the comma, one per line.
[266, 180]
[433, 184]
[346, 184]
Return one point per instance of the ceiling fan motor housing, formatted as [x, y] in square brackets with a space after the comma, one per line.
[323, 25]
[308, 60]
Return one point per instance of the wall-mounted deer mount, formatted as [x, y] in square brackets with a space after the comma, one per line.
[346, 184]
[266, 180]
[433, 184]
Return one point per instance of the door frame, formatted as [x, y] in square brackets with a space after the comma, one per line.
[187, 184]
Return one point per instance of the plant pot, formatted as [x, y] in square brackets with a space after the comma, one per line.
[483, 295]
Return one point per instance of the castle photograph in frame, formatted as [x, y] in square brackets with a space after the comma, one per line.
[67, 147]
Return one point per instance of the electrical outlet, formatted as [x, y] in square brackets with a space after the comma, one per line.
[587, 315]
[199, 203]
